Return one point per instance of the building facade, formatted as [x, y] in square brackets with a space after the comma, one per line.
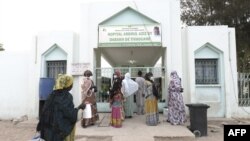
[132, 36]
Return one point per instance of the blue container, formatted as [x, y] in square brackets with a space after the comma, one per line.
[45, 87]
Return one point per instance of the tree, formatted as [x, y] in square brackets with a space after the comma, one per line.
[234, 13]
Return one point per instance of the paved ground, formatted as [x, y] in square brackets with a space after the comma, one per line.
[133, 129]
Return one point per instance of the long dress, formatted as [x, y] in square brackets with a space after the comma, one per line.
[59, 106]
[71, 136]
[116, 113]
[151, 108]
[176, 108]
[90, 115]
[139, 95]
[129, 87]
[128, 106]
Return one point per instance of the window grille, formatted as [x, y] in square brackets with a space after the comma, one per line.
[104, 79]
[206, 71]
[243, 89]
[56, 67]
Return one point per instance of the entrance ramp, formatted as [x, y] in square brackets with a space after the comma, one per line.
[134, 129]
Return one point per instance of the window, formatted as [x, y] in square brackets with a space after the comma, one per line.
[56, 67]
[206, 71]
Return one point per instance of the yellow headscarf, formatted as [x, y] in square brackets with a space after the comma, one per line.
[63, 81]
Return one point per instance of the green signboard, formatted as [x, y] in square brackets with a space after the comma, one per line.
[130, 36]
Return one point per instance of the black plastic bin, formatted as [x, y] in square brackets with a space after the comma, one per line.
[198, 118]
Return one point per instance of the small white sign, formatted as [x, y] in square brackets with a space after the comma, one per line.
[79, 68]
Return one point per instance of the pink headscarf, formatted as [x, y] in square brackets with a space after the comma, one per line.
[118, 73]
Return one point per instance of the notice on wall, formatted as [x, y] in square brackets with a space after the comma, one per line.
[79, 68]
[130, 36]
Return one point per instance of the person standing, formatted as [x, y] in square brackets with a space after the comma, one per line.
[176, 108]
[116, 103]
[151, 109]
[140, 93]
[129, 87]
[117, 78]
[90, 115]
[58, 117]
[155, 93]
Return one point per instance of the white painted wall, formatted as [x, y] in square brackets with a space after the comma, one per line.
[80, 50]
[233, 109]
[165, 12]
[20, 73]
[15, 99]
[20, 79]
[223, 38]
[196, 38]
[173, 38]
[44, 41]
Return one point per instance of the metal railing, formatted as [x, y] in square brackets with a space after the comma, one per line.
[104, 79]
[243, 89]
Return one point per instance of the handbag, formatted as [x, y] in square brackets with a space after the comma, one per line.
[181, 90]
[95, 88]
[155, 91]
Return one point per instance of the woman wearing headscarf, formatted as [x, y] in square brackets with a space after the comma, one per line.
[90, 115]
[117, 78]
[151, 109]
[176, 108]
[116, 104]
[58, 118]
[129, 87]
[140, 93]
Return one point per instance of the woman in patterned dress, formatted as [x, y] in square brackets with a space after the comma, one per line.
[176, 108]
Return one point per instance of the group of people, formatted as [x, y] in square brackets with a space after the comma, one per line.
[121, 98]
[59, 116]
[144, 88]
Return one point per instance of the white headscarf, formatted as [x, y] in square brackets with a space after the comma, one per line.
[129, 86]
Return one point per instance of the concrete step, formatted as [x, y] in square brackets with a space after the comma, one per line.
[182, 138]
[134, 129]
[133, 138]
[93, 138]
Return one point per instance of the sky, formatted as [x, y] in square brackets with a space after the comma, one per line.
[21, 20]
